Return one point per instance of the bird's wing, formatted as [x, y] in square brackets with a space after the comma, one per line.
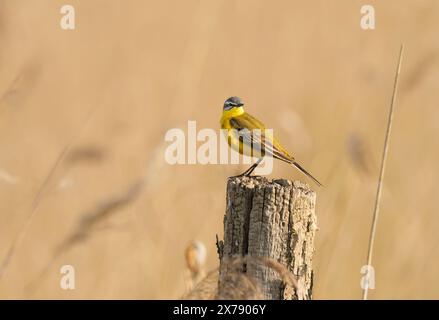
[246, 125]
[247, 121]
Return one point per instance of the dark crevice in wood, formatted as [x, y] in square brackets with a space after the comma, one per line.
[269, 220]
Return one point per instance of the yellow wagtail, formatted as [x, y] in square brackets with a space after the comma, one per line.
[247, 135]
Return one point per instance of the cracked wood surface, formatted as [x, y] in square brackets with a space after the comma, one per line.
[269, 219]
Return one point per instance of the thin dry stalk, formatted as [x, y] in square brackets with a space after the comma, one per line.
[382, 171]
[101, 212]
[37, 199]
[88, 224]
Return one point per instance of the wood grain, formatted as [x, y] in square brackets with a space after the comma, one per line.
[274, 220]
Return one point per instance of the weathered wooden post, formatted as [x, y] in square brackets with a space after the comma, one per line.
[274, 220]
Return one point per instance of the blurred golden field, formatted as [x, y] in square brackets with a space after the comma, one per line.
[83, 115]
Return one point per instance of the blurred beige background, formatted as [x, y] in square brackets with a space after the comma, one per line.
[89, 108]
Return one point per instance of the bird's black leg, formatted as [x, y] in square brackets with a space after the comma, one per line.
[252, 168]
[249, 171]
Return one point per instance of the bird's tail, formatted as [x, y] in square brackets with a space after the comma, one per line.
[298, 166]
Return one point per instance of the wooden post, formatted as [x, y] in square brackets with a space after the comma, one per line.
[274, 220]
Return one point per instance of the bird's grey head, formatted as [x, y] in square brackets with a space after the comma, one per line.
[233, 102]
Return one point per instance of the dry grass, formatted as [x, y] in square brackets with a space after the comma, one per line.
[237, 285]
[305, 67]
[382, 172]
[195, 255]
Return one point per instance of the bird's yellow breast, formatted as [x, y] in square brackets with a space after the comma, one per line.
[233, 138]
[229, 114]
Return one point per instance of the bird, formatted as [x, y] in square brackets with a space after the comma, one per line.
[247, 135]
